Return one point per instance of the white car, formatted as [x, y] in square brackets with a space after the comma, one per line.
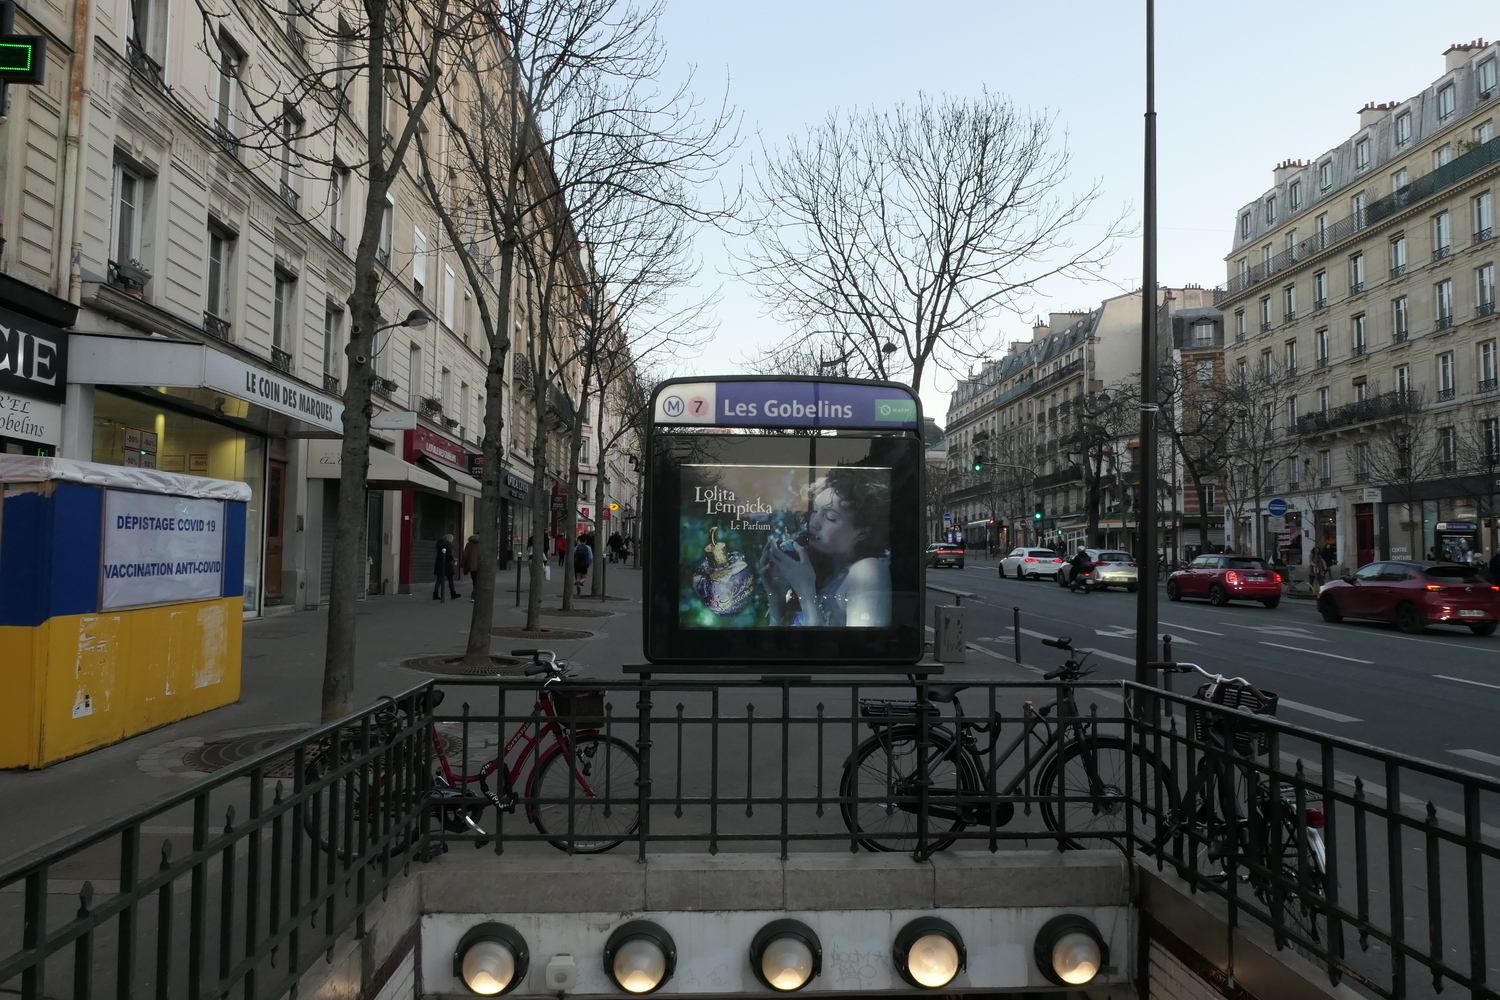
[1026, 564]
[1109, 567]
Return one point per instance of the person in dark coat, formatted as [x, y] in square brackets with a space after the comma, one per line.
[443, 567]
[1495, 566]
[469, 563]
[583, 558]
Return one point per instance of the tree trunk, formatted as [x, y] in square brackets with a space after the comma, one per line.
[542, 509]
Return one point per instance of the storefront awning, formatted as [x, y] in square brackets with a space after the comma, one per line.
[32, 469]
[462, 481]
[387, 472]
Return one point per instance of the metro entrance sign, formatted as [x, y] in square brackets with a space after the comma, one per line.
[778, 403]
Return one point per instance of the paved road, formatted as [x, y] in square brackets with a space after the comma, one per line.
[1434, 696]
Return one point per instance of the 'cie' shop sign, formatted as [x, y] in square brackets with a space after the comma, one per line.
[33, 358]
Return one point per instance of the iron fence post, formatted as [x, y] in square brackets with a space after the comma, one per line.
[1474, 876]
[643, 750]
[130, 859]
[1330, 866]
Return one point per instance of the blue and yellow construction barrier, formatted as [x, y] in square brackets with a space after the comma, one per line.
[74, 676]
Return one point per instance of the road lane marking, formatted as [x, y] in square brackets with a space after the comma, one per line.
[1286, 631]
[1464, 680]
[1318, 652]
[1479, 755]
[1191, 629]
[1322, 713]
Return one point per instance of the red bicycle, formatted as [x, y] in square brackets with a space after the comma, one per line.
[581, 786]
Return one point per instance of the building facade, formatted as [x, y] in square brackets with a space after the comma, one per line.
[1365, 278]
[189, 267]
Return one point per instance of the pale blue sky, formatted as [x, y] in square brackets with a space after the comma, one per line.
[1239, 88]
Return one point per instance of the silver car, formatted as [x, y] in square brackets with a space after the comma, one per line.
[1110, 568]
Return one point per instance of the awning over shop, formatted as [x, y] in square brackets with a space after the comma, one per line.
[462, 481]
[387, 472]
[148, 361]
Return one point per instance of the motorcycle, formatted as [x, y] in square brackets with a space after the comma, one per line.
[1083, 581]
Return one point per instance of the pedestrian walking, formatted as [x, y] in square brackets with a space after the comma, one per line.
[616, 547]
[1315, 569]
[469, 563]
[562, 548]
[443, 568]
[583, 558]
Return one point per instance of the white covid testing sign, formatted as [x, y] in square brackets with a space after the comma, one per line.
[161, 549]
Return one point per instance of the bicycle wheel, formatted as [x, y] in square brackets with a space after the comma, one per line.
[1198, 837]
[879, 790]
[1299, 912]
[1091, 775]
[602, 787]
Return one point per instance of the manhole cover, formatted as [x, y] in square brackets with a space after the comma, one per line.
[577, 613]
[516, 632]
[499, 666]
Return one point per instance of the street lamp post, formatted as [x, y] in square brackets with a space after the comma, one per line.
[1146, 599]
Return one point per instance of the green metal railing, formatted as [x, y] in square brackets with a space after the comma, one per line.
[273, 873]
[761, 763]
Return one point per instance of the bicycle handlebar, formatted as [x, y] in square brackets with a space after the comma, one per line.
[540, 668]
[1061, 642]
[524, 652]
[1183, 668]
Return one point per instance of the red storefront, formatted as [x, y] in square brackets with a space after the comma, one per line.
[427, 516]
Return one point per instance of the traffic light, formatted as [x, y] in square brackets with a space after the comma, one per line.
[978, 463]
[1038, 514]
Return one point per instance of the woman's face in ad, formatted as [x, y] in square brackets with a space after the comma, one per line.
[831, 529]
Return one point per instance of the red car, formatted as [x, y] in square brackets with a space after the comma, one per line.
[1225, 578]
[1414, 595]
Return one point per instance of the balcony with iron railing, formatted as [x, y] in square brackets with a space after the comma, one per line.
[1320, 303]
[1437, 180]
[1362, 477]
[226, 139]
[1265, 325]
[1324, 482]
[1021, 387]
[1360, 411]
[1489, 384]
[281, 360]
[1323, 361]
[1447, 393]
[331, 383]
[430, 407]
[1397, 271]
[1355, 287]
[216, 326]
[1444, 322]
[1441, 253]
[383, 256]
[1358, 350]
[1068, 371]
[1289, 316]
[288, 195]
[336, 238]
[1316, 243]
[1484, 309]
[383, 387]
[1484, 235]
[1398, 336]
[142, 63]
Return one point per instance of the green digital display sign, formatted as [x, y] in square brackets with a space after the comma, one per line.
[23, 58]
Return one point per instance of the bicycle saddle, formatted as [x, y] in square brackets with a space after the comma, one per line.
[945, 693]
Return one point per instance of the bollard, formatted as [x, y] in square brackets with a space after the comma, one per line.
[1016, 629]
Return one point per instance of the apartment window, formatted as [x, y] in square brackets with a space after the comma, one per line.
[1445, 105]
[231, 62]
[1244, 374]
[216, 281]
[1484, 290]
[1325, 468]
[1361, 389]
[1443, 300]
[291, 130]
[1294, 473]
[1244, 225]
[445, 389]
[1403, 128]
[333, 342]
[450, 295]
[1265, 365]
[1357, 206]
[1320, 339]
[1442, 156]
[1244, 271]
[1403, 382]
[468, 314]
[1294, 196]
[1270, 210]
[1442, 235]
[338, 193]
[1291, 245]
[1484, 133]
[1323, 401]
[463, 407]
[1448, 449]
[1203, 333]
[130, 190]
[1356, 273]
[1289, 303]
[1322, 227]
[1362, 153]
[1205, 370]
[1266, 256]
[1357, 334]
[1445, 385]
[1265, 313]
[344, 61]
[1291, 414]
[138, 35]
[387, 228]
[282, 305]
[1268, 421]
[1400, 318]
[1239, 324]
[1484, 218]
[418, 263]
[1485, 77]
[1291, 357]
[1399, 179]
[1320, 289]
[1398, 256]
[1487, 366]
[1325, 175]
[413, 376]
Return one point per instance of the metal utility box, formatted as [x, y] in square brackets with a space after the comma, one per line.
[948, 642]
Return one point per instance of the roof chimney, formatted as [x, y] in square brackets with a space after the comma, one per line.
[1457, 55]
[1372, 112]
[1285, 169]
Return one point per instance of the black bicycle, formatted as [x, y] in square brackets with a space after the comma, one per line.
[1230, 818]
[1078, 776]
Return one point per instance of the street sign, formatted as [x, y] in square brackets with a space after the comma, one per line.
[1277, 507]
[614, 506]
[947, 517]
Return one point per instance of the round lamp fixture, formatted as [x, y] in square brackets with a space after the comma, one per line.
[929, 952]
[1069, 950]
[640, 956]
[786, 955]
[491, 959]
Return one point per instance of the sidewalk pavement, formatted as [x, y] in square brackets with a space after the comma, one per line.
[281, 686]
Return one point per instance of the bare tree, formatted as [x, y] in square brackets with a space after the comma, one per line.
[893, 236]
[1094, 425]
[1195, 417]
[1402, 450]
[1252, 403]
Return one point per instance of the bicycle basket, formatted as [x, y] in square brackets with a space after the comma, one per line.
[587, 706]
[1249, 739]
